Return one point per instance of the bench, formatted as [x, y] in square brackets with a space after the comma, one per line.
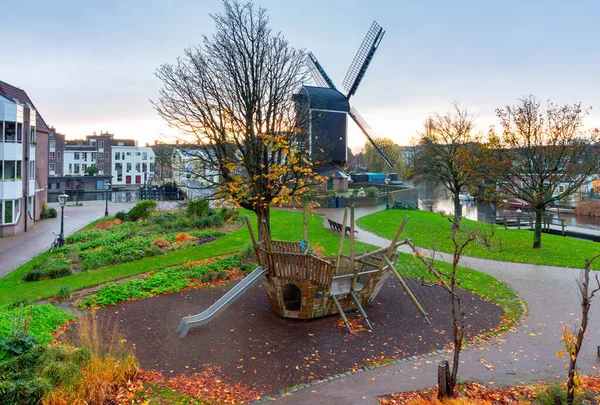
[337, 227]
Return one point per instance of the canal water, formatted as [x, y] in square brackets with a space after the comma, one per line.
[484, 211]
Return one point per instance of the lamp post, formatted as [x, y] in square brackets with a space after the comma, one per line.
[106, 187]
[387, 199]
[62, 200]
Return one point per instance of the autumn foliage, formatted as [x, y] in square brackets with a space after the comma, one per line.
[108, 224]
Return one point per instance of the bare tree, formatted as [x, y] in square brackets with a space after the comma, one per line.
[461, 238]
[573, 340]
[448, 152]
[541, 156]
[231, 97]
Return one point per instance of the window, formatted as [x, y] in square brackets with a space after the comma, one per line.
[76, 168]
[70, 168]
[32, 134]
[144, 155]
[52, 143]
[137, 153]
[52, 155]
[19, 132]
[137, 167]
[100, 144]
[83, 167]
[144, 167]
[85, 156]
[117, 155]
[99, 184]
[106, 156]
[128, 154]
[11, 210]
[152, 167]
[94, 156]
[51, 167]
[10, 134]
[32, 169]
[58, 154]
[10, 170]
[119, 170]
[128, 167]
[100, 155]
[76, 157]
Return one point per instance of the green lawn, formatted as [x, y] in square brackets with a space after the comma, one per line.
[285, 225]
[431, 230]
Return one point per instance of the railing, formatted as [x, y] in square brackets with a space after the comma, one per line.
[529, 221]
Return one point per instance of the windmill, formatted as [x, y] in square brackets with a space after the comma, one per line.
[328, 108]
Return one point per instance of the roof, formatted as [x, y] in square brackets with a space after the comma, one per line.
[323, 98]
[13, 92]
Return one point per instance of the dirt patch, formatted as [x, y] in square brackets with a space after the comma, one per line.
[255, 347]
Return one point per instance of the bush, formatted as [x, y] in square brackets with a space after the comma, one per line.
[34, 274]
[58, 272]
[372, 191]
[142, 210]
[48, 213]
[405, 205]
[161, 243]
[121, 216]
[65, 292]
[229, 214]
[214, 220]
[198, 209]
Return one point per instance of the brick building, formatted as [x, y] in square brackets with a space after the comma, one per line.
[23, 161]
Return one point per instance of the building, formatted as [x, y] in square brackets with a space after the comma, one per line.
[23, 161]
[123, 160]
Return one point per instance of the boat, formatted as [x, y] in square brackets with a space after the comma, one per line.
[516, 203]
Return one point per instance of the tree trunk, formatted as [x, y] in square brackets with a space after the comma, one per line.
[457, 210]
[537, 231]
[263, 215]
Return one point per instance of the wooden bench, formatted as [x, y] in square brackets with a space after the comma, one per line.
[337, 227]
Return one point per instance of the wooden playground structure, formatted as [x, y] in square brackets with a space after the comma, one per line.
[302, 285]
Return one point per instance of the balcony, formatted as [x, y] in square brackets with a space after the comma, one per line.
[11, 189]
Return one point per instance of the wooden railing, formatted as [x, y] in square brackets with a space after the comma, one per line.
[528, 220]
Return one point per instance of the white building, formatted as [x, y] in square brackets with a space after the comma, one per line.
[132, 164]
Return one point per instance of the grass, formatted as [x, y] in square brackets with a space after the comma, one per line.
[432, 231]
[285, 225]
[42, 320]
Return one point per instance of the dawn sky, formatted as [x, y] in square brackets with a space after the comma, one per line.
[89, 66]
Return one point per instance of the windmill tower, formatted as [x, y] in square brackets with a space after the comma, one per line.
[327, 109]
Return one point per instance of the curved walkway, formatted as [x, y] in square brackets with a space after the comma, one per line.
[524, 355]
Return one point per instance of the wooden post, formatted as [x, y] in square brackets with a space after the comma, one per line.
[562, 224]
[342, 235]
[505, 223]
[557, 399]
[443, 373]
[305, 213]
[518, 221]
[352, 269]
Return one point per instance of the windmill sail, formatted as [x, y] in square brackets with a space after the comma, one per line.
[388, 155]
[318, 73]
[362, 59]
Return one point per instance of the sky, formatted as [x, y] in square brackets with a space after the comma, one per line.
[89, 66]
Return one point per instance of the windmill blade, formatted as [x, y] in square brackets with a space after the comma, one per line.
[372, 137]
[318, 73]
[363, 57]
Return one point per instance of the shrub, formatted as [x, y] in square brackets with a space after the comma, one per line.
[65, 292]
[355, 192]
[184, 237]
[198, 208]
[48, 213]
[142, 210]
[34, 274]
[58, 272]
[109, 224]
[161, 243]
[214, 220]
[121, 216]
[229, 214]
[372, 191]
[405, 205]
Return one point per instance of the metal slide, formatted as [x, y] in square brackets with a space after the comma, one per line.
[223, 303]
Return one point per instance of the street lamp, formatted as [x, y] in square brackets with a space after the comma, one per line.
[62, 200]
[387, 199]
[106, 187]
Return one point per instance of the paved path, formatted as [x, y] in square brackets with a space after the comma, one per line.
[16, 250]
[524, 355]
